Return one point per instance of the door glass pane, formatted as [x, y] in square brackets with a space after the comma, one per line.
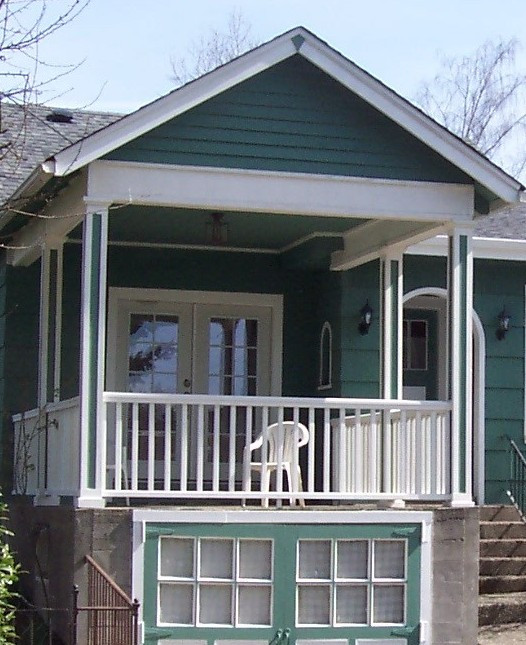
[176, 603]
[352, 559]
[177, 557]
[314, 605]
[314, 559]
[216, 559]
[254, 605]
[389, 559]
[388, 604]
[351, 604]
[215, 604]
[152, 353]
[255, 559]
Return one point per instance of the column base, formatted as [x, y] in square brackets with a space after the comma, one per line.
[46, 500]
[90, 501]
[461, 500]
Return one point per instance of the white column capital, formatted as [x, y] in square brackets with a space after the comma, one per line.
[96, 206]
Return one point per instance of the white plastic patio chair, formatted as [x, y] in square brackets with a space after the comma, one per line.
[283, 439]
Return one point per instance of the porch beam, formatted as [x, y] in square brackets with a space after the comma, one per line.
[460, 362]
[278, 192]
[378, 238]
[92, 364]
[391, 267]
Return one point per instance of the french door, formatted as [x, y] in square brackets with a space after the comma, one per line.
[176, 347]
[282, 584]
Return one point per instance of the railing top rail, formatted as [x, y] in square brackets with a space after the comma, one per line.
[276, 401]
[49, 407]
[91, 562]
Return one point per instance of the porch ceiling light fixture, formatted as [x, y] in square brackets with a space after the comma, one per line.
[366, 318]
[503, 324]
[217, 230]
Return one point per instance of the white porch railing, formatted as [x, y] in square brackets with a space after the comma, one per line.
[46, 454]
[193, 446]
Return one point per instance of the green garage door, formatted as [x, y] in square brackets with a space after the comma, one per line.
[282, 584]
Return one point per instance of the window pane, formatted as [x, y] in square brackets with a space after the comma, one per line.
[314, 605]
[389, 559]
[388, 604]
[216, 559]
[255, 558]
[314, 559]
[215, 604]
[351, 604]
[177, 558]
[352, 559]
[176, 603]
[254, 605]
[166, 329]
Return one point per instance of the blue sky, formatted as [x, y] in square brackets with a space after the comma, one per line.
[126, 45]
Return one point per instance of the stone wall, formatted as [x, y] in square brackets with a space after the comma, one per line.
[455, 571]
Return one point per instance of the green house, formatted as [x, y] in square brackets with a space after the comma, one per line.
[262, 357]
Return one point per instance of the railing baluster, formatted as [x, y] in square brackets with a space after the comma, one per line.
[311, 447]
[387, 455]
[361, 458]
[200, 430]
[216, 439]
[279, 455]
[434, 455]
[151, 446]
[167, 446]
[247, 472]
[135, 447]
[327, 450]
[419, 461]
[184, 447]
[117, 482]
[373, 481]
[264, 482]
[294, 485]
[232, 449]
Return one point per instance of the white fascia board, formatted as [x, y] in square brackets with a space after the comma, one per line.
[173, 104]
[413, 120]
[277, 192]
[487, 248]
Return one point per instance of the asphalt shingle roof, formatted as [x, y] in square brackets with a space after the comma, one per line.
[35, 138]
[27, 139]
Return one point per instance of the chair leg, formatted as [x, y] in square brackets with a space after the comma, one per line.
[265, 481]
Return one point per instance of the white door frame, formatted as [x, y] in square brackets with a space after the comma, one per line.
[479, 389]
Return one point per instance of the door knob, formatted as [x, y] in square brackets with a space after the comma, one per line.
[277, 638]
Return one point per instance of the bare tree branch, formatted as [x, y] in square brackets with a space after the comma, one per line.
[214, 50]
[481, 98]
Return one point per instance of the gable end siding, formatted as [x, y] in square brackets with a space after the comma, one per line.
[291, 118]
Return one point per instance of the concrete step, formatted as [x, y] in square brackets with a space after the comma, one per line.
[501, 609]
[503, 548]
[499, 514]
[501, 584]
[509, 530]
[503, 566]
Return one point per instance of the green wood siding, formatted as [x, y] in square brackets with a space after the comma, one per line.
[291, 117]
[360, 355]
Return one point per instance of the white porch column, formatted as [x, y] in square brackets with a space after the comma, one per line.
[48, 354]
[460, 362]
[92, 350]
[392, 315]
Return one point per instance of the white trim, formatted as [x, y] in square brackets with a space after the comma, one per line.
[490, 248]
[43, 333]
[58, 323]
[479, 374]
[264, 57]
[278, 192]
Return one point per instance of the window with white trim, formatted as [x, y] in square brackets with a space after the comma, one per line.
[209, 581]
[325, 375]
[351, 582]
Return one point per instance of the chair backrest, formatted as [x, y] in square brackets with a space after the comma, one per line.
[288, 434]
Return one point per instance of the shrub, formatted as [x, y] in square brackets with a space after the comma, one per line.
[9, 571]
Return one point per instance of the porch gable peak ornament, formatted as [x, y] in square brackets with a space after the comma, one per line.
[366, 318]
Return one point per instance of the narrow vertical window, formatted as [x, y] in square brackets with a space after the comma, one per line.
[325, 376]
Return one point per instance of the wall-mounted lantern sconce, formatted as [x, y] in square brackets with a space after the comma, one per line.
[366, 318]
[503, 324]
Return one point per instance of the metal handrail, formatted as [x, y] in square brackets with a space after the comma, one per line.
[517, 481]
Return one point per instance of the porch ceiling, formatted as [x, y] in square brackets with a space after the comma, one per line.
[184, 226]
